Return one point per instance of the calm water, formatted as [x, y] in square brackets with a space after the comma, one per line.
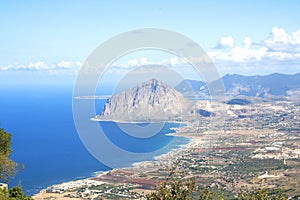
[46, 142]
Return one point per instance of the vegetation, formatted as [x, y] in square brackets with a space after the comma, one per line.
[177, 189]
[8, 168]
[181, 188]
[15, 193]
[4, 194]
[261, 194]
[172, 187]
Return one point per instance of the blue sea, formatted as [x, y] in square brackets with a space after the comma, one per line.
[45, 140]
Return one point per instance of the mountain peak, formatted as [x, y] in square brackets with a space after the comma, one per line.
[152, 83]
[152, 100]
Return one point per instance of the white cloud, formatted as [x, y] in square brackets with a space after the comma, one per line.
[135, 62]
[132, 62]
[247, 42]
[124, 66]
[244, 54]
[240, 54]
[296, 36]
[39, 65]
[78, 64]
[278, 52]
[279, 46]
[42, 66]
[226, 42]
[144, 61]
[174, 61]
[6, 68]
[64, 64]
[280, 41]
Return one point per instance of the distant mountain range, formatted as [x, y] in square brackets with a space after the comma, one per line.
[274, 85]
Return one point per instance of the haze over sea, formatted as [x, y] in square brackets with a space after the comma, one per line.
[45, 140]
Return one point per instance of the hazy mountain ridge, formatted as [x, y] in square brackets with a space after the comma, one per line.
[186, 85]
[272, 85]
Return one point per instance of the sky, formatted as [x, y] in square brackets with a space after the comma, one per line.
[54, 37]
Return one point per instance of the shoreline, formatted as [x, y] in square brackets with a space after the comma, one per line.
[163, 159]
[96, 119]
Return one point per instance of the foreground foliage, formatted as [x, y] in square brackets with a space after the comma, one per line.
[8, 168]
[181, 188]
[261, 194]
[13, 194]
[174, 190]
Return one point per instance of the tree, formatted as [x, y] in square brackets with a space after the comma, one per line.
[177, 189]
[8, 167]
[207, 194]
[14, 193]
[17, 194]
[173, 187]
[4, 194]
[260, 194]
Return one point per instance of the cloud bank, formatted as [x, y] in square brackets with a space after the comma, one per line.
[62, 66]
[279, 50]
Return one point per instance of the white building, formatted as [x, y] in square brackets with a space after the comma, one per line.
[3, 186]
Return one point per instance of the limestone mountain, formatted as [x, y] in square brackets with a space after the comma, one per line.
[150, 101]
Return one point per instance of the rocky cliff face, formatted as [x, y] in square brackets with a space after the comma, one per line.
[150, 101]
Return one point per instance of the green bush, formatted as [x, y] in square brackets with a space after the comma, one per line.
[3, 194]
[16, 193]
[261, 194]
[177, 189]
[8, 169]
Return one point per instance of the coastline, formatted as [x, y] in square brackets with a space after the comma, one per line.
[97, 119]
[59, 191]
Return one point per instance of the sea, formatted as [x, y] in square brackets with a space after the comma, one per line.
[46, 142]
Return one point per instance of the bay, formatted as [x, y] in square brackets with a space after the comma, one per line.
[45, 140]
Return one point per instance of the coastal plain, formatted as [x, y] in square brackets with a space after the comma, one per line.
[257, 145]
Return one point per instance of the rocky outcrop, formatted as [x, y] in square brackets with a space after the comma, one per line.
[151, 101]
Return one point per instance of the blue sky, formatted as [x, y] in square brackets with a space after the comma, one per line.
[56, 36]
